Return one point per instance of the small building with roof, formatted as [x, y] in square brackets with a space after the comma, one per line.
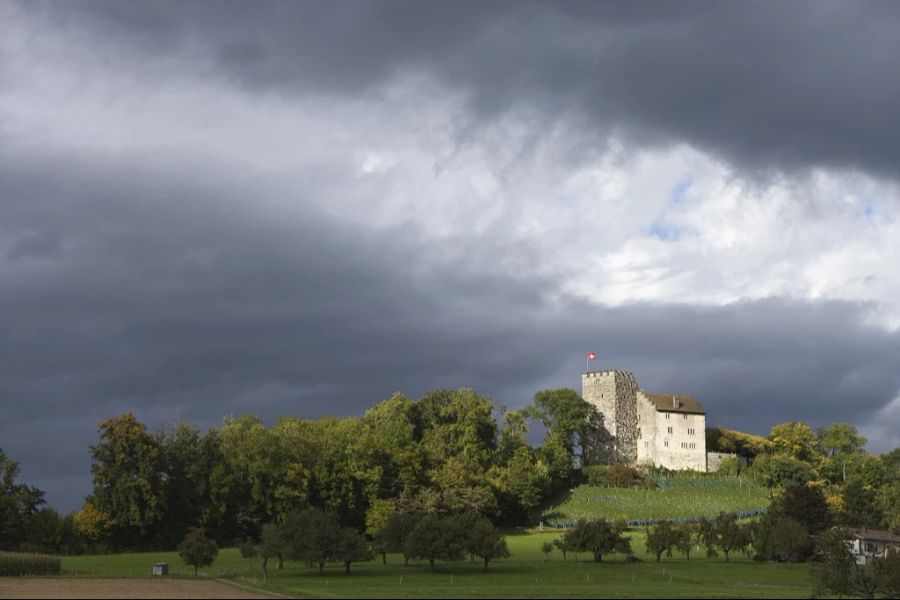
[869, 544]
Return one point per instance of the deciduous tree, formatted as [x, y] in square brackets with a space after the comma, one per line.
[197, 550]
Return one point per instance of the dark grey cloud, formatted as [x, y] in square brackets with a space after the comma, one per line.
[173, 292]
[771, 87]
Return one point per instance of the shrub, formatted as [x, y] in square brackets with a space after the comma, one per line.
[18, 565]
[619, 476]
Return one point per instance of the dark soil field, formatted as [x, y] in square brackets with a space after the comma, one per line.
[65, 587]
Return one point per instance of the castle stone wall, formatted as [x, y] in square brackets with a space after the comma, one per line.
[644, 434]
[614, 393]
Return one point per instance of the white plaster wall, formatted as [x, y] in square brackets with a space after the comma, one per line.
[673, 450]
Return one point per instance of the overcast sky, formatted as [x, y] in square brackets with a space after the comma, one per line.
[299, 208]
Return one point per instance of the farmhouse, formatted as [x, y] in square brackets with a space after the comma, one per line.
[666, 430]
[868, 544]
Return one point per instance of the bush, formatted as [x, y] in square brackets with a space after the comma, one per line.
[17, 565]
[618, 476]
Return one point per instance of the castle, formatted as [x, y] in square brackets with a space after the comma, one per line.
[666, 430]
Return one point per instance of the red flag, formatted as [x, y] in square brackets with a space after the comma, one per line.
[591, 356]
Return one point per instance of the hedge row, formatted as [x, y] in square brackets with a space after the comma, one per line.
[17, 565]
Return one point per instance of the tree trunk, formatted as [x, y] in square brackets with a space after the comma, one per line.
[431, 563]
[265, 564]
[384, 558]
[195, 571]
[598, 557]
[405, 560]
[726, 555]
[346, 567]
[658, 555]
[321, 567]
[486, 559]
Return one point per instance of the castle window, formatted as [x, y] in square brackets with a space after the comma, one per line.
[666, 443]
[667, 415]
[691, 431]
[685, 416]
[670, 430]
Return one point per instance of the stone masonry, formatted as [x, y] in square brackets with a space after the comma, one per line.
[666, 430]
[614, 393]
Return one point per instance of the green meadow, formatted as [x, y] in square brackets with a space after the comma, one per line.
[526, 574]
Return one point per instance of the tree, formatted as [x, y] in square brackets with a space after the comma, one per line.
[463, 487]
[660, 538]
[311, 536]
[197, 550]
[888, 500]
[795, 440]
[805, 504]
[434, 538]
[512, 437]
[860, 505]
[564, 412]
[351, 547]
[838, 439]
[684, 538]
[523, 482]
[248, 550]
[486, 542]
[790, 540]
[377, 518]
[774, 471]
[598, 538]
[547, 548]
[725, 533]
[392, 536]
[564, 544]
[458, 423]
[128, 465]
[272, 545]
[18, 503]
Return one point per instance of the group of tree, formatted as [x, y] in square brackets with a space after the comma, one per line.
[26, 523]
[315, 537]
[722, 533]
[860, 489]
[443, 454]
[593, 537]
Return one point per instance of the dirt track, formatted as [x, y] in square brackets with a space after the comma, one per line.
[62, 587]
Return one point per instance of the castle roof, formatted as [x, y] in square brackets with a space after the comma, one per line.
[679, 403]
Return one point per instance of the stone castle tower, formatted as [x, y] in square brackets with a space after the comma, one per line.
[614, 393]
[667, 430]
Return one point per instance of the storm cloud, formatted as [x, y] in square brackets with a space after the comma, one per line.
[300, 208]
[776, 87]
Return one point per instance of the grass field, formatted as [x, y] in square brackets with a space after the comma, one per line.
[525, 574]
[677, 497]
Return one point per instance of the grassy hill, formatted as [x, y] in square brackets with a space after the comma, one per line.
[673, 497]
